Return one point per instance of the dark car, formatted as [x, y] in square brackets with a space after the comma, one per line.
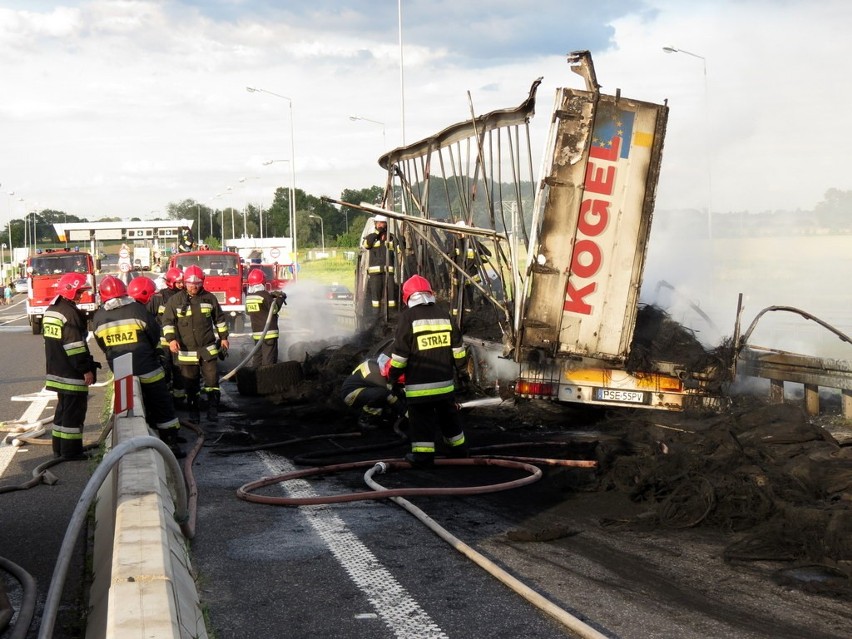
[337, 292]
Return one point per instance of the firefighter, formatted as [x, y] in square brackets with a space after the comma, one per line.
[366, 390]
[470, 256]
[123, 325]
[141, 289]
[173, 279]
[70, 367]
[428, 349]
[186, 241]
[197, 332]
[259, 301]
[380, 267]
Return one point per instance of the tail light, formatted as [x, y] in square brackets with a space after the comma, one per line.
[532, 389]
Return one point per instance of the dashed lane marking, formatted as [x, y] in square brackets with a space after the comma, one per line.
[400, 613]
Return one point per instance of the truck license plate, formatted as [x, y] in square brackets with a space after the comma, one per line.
[612, 395]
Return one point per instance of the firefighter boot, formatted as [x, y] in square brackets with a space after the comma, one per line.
[420, 460]
[213, 405]
[170, 438]
[194, 415]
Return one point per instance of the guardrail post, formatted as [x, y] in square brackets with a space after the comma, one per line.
[776, 391]
[812, 399]
[846, 397]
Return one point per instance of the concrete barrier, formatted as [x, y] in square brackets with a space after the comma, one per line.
[143, 585]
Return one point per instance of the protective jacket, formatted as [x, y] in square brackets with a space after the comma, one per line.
[157, 306]
[122, 326]
[428, 348]
[381, 253]
[65, 352]
[197, 322]
[258, 303]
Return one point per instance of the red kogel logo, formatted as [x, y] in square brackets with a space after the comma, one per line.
[594, 216]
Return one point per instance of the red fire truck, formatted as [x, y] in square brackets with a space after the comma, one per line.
[43, 272]
[278, 276]
[223, 273]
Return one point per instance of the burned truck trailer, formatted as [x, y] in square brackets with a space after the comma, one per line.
[544, 275]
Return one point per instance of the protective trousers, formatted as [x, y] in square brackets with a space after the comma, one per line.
[426, 418]
[68, 420]
[267, 354]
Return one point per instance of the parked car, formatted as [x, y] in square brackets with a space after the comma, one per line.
[20, 285]
[337, 292]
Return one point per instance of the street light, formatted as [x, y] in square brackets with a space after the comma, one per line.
[242, 181]
[291, 195]
[706, 134]
[292, 168]
[210, 199]
[322, 229]
[355, 118]
[9, 229]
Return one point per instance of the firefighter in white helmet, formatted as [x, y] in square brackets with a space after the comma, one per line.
[381, 268]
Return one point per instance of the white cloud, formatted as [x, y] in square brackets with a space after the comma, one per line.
[127, 106]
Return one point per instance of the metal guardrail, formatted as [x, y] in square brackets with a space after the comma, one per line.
[812, 372]
[343, 312]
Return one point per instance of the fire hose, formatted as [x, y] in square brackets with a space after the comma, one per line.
[396, 495]
[88, 496]
[273, 308]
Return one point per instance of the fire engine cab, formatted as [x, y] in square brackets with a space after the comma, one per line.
[223, 276]
[43, 272]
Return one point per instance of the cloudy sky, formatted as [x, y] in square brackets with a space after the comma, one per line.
[119, 107]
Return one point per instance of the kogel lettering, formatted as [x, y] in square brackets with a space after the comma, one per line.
[587, 258]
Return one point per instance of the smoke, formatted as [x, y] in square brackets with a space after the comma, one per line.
[310, 316]
[698, 280]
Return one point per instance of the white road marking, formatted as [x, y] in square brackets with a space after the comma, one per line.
[402, 615]
[38, 403]
[6, 454]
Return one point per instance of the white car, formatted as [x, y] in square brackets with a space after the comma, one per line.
[20, 286]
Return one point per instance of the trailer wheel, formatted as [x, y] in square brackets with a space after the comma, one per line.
[35, 322]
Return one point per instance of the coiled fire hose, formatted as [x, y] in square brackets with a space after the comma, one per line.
[559, 614]
[379, 492]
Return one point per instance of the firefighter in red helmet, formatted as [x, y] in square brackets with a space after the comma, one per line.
[173, 278]
[121, 326]
[259, 303]
[70, 367]
[140, 289]
[197, 332]
[428, 349]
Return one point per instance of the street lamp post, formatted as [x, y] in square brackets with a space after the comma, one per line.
[706, 134]
[210, 199]
[242, 181]
[9, 229]
[228, 190]
[355, 118]
[292, 168]
[322, 229]
[291, 196]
